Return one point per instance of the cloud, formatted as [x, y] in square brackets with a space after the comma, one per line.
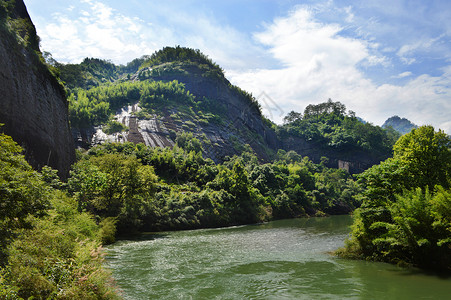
[92, 30]
[318, 63]
[403, 75]
[350, 16]
[95, 29]
[419, 46]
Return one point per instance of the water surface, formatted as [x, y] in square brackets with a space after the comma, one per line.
[284, 259]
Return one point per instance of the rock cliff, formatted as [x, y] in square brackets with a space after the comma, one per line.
[34, 109]
[240, 114]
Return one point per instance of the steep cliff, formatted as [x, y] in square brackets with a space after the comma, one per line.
[241, 115]
[34, 109]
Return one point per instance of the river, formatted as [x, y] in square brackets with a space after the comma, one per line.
[286, 259]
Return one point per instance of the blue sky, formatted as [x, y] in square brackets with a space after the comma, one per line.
[380, 58]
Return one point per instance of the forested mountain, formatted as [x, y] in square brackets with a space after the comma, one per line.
[175, 90]
[402, 125]
[327, 129]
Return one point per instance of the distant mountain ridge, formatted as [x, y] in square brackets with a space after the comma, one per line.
[402, 125]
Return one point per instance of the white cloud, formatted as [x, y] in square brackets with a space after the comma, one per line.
[406, 52]
[319, 64]
[94, 29]
[350, 16]
[403, 75]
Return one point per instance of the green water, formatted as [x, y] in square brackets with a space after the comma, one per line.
[279, 260]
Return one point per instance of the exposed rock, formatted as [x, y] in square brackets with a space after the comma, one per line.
[34, 108]
[354, 162]
[151, 132]
[240, 113]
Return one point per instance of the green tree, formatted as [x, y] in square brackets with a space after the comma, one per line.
[23, 193]
[404, 217]
[115, 185]
[425, 158]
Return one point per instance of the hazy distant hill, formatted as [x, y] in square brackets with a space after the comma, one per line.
[402, 125]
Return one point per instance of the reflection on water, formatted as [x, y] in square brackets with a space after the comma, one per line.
[284, 259]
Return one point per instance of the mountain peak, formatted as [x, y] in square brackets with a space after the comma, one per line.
[402, 125]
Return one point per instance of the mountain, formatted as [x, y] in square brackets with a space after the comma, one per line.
[402, 125]
[175, 91]
[34, 108]
[327, 130]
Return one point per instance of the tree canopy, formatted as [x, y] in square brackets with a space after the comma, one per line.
[329, 125]
[405, 214]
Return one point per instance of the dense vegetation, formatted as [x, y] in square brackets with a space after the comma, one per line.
[187, 56]
[48, 247]
[405, 215]
[91, 72]
[97, 105]
[331, 127]
[159, 189]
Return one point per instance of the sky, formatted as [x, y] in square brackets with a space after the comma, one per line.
[380, 58]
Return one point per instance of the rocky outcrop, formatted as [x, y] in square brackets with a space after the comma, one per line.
[34, 108]
[243, 120]
[353, 161]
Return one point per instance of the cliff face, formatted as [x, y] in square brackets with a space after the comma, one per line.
[34, 108]
[240, 114]
[352, 161]
[240, 120]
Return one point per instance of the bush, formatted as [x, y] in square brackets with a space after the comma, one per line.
[114, 127]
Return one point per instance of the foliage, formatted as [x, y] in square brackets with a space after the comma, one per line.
[188, 142]
[95, 106]
[91, 72]
[114, 127]
[133, 66]
[331, 127]
[58, 258]
[404, 217]
[22, 192]
[425, 157]
[171, 54]
[49, 249]
[194, 192]
[113, 185]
